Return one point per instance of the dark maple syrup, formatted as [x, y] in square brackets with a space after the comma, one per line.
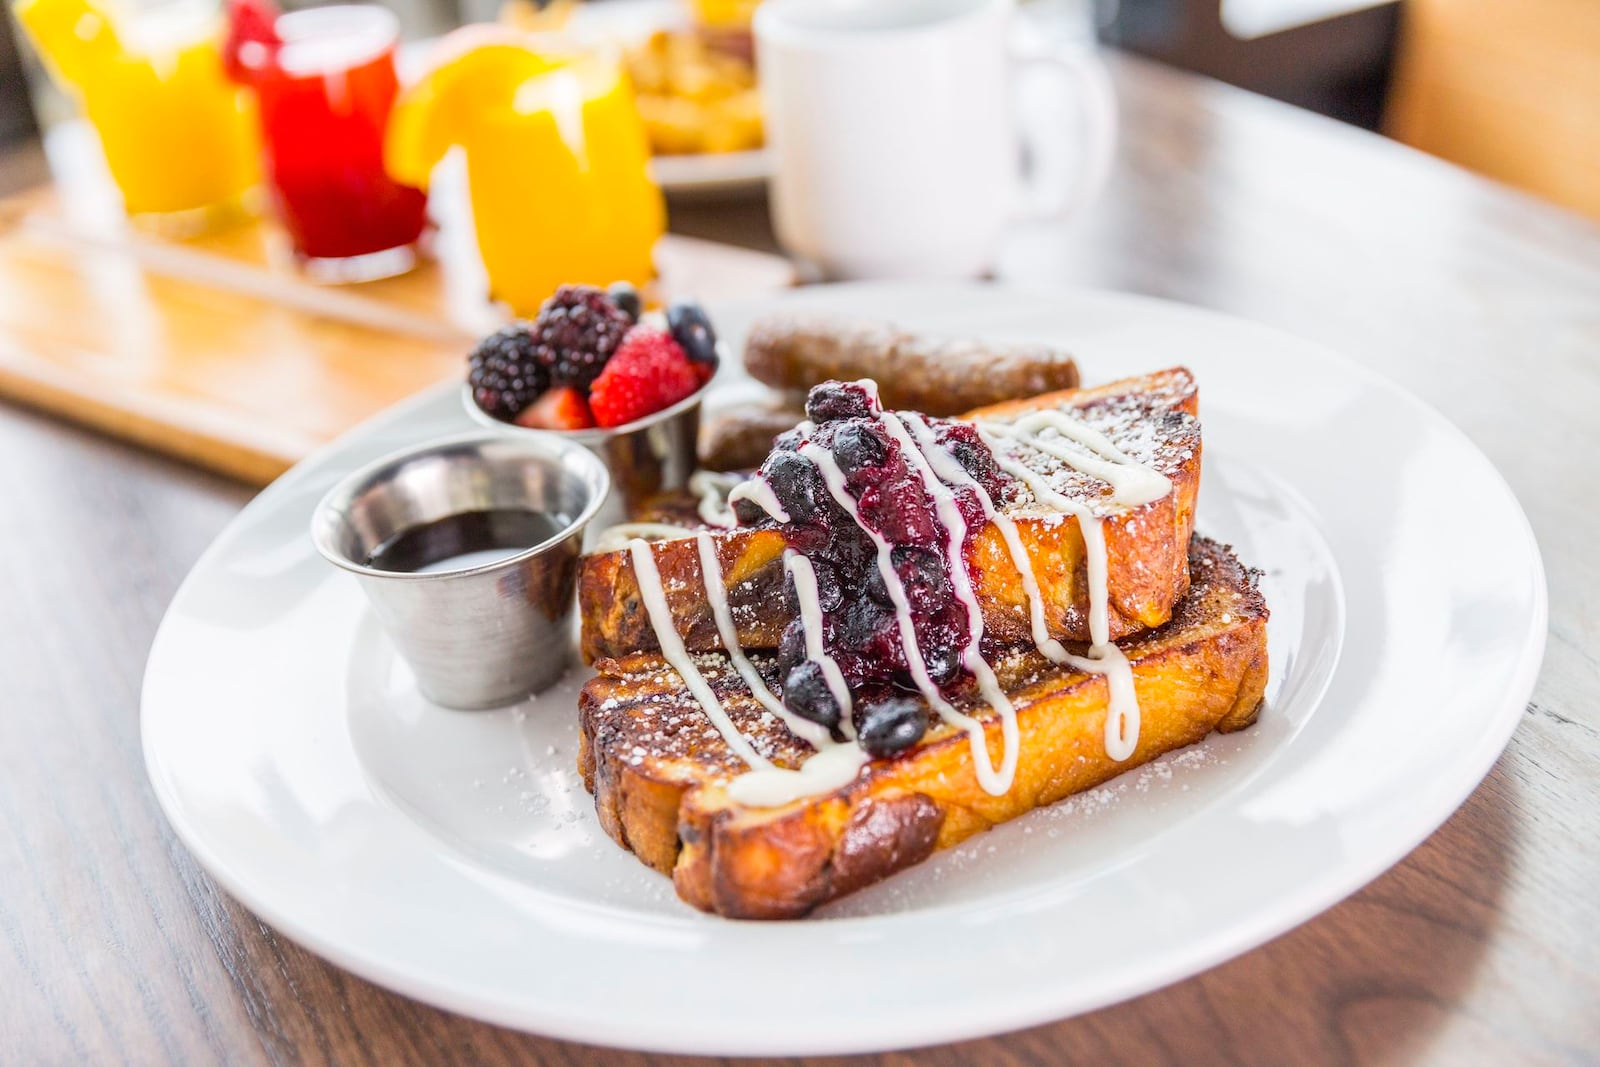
[469, 539]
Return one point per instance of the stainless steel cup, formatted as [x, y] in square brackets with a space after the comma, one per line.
[645, 457]
[482, 636]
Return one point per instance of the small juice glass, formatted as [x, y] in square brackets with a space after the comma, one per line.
[556, 160]
[325, 86]
[179, 138]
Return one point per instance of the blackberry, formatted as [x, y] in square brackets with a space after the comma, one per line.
[577, 330]
[505, 372]
[891, 726]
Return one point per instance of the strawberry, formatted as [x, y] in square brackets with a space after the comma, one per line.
[648, 372]
[562, 408]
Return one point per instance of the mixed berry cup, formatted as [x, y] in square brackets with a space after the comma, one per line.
[593, 370]
[645, 457]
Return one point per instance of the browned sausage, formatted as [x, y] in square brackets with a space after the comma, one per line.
[740, 439]
[931, 375]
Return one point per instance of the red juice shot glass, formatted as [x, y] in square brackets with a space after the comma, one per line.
[325, 83]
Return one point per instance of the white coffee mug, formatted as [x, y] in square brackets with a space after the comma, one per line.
[893, 131]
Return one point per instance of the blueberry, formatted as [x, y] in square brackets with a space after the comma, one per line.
[871, 629]
[834, 400]
[875, 588]
[922, 573]
[795, 482]
[858, 446]
[626, 299]
[748, 512]
[691, 329]
[830, 591]
[791, 646]
[806, 694]
[943, 662]
[789, 441]
[891, 726]
[962, 442]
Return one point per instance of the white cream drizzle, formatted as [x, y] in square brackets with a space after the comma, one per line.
[955, 527]
[1131, 482]
[717, 597]
[655, 604]
[804, 576]
[759, 493]
[712, 488]
[995, 781]
[1105, 658]
[835, 764]
[831, 767]
[616, 538]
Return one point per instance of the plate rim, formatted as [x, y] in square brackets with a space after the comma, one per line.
[1206, 949]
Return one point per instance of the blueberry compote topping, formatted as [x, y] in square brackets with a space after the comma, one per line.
[860, 630]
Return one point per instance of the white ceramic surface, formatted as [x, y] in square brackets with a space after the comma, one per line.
[456, 857]
[712, 172]
[892, 132]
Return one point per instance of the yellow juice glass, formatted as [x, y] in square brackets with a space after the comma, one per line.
[178, 136]
[724, 14]
[556, 160]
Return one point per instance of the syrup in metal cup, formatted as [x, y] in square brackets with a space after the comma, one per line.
[467, 549]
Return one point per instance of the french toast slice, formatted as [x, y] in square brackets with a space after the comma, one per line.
[1153, 418]
[659, 770]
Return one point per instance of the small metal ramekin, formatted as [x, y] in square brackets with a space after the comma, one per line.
[645, 457]
[483, 636]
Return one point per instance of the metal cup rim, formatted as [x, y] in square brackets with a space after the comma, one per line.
[367, 472]
[596, 435]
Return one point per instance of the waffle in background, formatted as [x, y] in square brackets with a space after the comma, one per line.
[696, 92]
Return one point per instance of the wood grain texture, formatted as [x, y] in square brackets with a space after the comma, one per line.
[218, 350]
[1483, 946]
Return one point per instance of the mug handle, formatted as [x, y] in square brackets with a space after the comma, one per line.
[1085, 79]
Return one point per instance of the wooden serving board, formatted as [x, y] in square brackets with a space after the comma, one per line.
[215, 349]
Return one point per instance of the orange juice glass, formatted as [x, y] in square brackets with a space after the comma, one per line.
[556, 160]
[178, 137]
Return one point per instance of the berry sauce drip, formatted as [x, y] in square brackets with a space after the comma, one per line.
[860, 630]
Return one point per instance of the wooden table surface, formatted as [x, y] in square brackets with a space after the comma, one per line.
[1483, 946]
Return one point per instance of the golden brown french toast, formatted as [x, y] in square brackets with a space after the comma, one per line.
[1152, 418]
[660, 771]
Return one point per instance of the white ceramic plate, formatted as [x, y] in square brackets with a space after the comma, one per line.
[712, 172]
[456, 857]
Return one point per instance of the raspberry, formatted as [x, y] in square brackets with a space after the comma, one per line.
[562, 408]
[505, 373]
[577, 330]
[649, 372]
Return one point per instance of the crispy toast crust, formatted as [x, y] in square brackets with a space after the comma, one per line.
[1145, 546]
[658, 770]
